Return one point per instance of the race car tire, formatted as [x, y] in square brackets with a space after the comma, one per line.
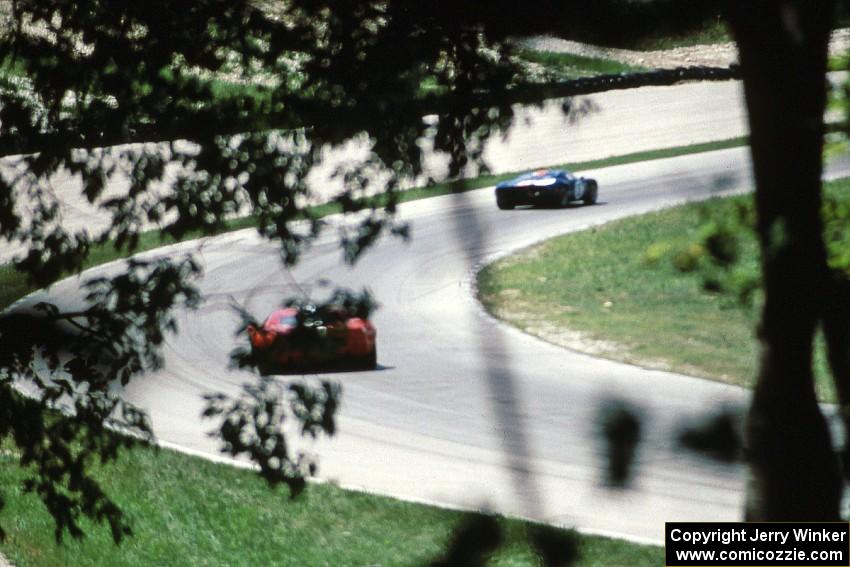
[590, 195]
[503, 203]
[368, 361]
[265, 369]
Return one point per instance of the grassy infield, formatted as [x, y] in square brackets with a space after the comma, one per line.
[187, 511]
[602, 284]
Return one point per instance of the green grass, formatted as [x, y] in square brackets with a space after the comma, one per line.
[566, 66]
[599, 283]
[13, 285]
[189, 511]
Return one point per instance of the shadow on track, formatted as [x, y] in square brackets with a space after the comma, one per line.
[501, 382]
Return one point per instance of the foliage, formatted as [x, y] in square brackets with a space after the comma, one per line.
[725, 229]
[716, 435]
[69, 361]
[96, 75]
[620, 431]
[254, 425]
[313, 313]
[312, 319]
[721, 252]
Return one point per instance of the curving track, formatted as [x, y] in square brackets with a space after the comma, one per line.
[465, 411]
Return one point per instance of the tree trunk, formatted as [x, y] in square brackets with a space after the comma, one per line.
[794, 472]
[836, 331]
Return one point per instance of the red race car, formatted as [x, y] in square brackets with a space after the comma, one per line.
[294, 339]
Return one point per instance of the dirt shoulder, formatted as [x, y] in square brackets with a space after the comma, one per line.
[714, 55]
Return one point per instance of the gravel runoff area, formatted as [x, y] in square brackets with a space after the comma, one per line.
[714, 55]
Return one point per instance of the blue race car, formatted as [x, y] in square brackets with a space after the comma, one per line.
[551, 187]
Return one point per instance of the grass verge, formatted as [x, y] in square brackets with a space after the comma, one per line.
[13, 285]
[594, 291]
[189, 511]
[564, 66]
